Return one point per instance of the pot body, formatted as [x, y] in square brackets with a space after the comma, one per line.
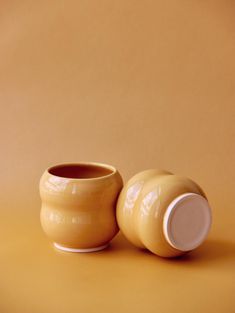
[79, 213]
[143, 208]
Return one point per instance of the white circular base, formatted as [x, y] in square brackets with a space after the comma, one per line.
[58, 246]
[187, 221]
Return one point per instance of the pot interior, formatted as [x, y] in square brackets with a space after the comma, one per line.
[81, 171]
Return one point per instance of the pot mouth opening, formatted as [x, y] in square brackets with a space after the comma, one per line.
[82, 171]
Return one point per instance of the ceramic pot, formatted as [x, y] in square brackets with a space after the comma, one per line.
[165, 213]
[78, 205]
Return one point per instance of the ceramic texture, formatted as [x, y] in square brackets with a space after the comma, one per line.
[78, 205]
[142, 206]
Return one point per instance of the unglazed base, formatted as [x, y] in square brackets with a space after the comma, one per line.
[187, 221]
[59, 247]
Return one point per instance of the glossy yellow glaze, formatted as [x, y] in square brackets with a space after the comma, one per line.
[78, 211]
[142, 204]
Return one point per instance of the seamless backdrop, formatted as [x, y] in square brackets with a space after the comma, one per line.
[136, 84]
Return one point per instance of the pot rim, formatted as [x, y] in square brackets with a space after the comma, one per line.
[95, 164]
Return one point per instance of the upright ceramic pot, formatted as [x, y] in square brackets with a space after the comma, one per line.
[165, 213]
[78, 205]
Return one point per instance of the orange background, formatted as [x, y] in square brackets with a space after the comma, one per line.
[136, 84]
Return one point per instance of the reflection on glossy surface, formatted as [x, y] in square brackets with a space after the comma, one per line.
[56, 184]
[148, 201]
[59, 218]
[80, 213]
[131, 196]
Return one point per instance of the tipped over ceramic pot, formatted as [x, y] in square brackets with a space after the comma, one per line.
[164, 213]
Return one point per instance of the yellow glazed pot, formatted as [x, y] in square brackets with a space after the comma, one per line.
[78, 205]
[165, 213]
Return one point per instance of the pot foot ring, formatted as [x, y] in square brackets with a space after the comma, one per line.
[59, 247]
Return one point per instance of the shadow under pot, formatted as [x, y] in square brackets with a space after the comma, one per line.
[79, 204]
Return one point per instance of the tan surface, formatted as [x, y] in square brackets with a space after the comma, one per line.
[137, 84]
